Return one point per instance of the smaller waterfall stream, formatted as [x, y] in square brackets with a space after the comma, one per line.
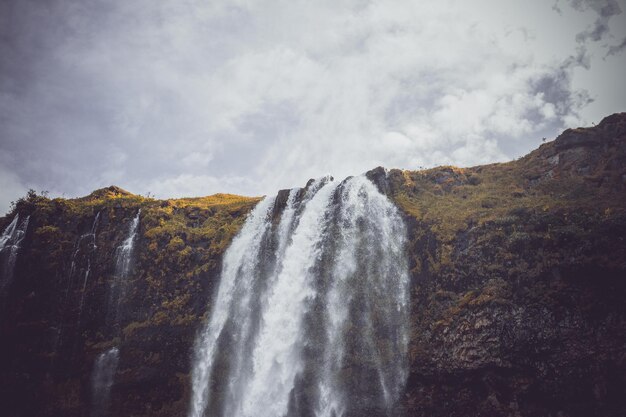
[123, 257]
[10, 244]
[70, 314]
[239, 261]
[91, 248]
[105, 365]
[8, 232]
[102, 381]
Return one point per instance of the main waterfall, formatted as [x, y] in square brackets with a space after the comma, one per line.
[311, 314]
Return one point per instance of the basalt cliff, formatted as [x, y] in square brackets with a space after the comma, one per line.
[515, 287]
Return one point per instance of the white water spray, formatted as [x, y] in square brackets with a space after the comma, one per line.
[123, 258]
[102, 380]
[240, 261]
[91, 247]
[8, 232]
[299, 301]
[10, 244]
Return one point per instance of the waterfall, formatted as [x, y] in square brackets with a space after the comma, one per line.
[102, 381]
[123, 257]
[105, 366]
[70, 315]
[311, 313]
[8, 232]
[10, 244]
[85, 244]
[91, 247]
[240, 261]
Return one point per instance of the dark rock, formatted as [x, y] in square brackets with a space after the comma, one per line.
[378, 176]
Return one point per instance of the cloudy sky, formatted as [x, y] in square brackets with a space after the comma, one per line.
[194, 97]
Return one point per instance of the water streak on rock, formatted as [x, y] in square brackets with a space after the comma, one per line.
[102, 380]
[91, 247]
[123, 258]
[10, 244]
[105, 367]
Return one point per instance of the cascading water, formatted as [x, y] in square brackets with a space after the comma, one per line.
[102, 381]
[69, 315]
[311, 314]
[123, 257]
[10, 244]
[8, 232]
[91, 247]
[105, 366]
[85, 245]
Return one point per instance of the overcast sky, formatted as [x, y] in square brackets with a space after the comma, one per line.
[193, 97]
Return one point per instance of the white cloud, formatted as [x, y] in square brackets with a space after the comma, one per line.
[192, 185]
[11, 187]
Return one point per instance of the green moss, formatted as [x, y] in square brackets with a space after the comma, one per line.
[48, 233]
[502, 188]
[133, 327]
[175, 244]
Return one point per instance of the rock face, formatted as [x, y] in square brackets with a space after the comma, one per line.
[517, 289]
[519, 281]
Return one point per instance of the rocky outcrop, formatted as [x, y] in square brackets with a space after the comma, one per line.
[518, 281]
[517, 288]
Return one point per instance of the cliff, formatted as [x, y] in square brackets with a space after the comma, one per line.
[518, 280]
[517, 288]
[54, 312]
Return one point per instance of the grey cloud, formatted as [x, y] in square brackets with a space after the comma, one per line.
[605, 9]
[616, 49]
[556, 84]
[556, 89]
